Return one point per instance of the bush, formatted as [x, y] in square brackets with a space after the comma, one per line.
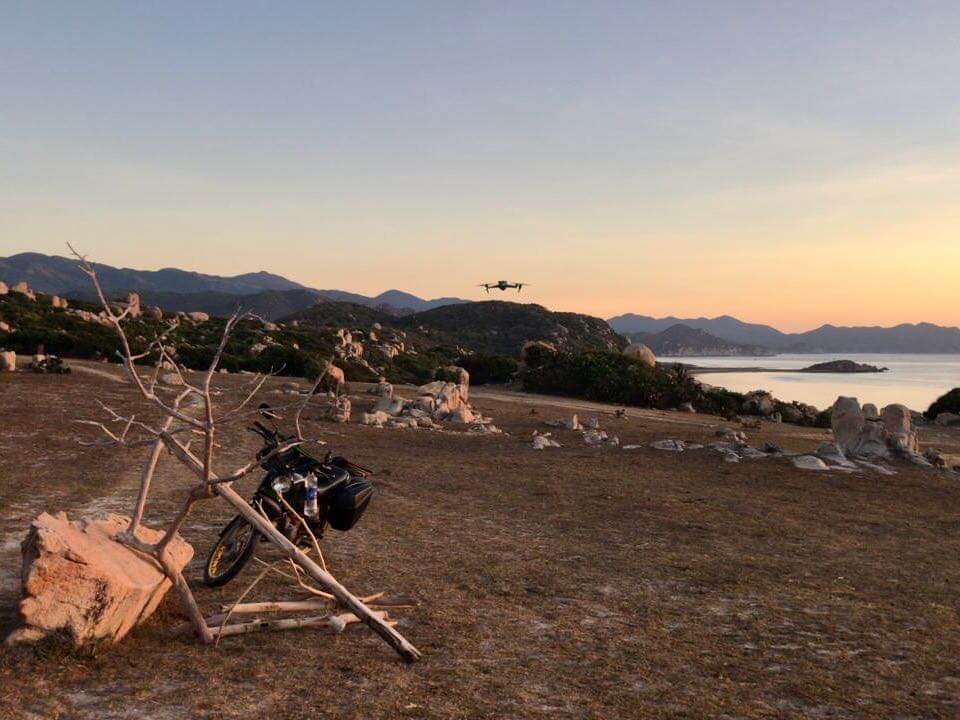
[608, 377]
[946, 403]
[487, 368]
[719, 401]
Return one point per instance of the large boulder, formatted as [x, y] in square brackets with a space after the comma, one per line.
[3, 288]
[639, 351]
[79, 580]
[335, 376]
[389, 405]
[758, 402]
[198, 317]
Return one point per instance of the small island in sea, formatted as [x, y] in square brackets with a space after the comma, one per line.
[843, 366]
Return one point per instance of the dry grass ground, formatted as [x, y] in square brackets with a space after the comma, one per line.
[575, 583]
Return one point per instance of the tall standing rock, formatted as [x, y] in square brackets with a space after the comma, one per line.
[847, 423]
[898, 424]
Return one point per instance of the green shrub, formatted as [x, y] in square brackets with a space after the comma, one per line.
[487, 368]
[946, 403]
[607, 377]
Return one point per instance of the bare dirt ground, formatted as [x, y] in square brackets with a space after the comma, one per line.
[577, 582]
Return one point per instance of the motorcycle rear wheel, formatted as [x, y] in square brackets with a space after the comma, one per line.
[232, 552]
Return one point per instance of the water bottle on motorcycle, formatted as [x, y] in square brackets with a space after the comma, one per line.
[310, 506]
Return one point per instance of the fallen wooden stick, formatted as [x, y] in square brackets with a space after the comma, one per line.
[336, 623]
[376, 623]
[277, 606]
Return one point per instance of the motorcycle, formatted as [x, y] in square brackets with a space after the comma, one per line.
[298, 488]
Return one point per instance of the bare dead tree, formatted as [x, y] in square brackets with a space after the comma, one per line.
[176, 434]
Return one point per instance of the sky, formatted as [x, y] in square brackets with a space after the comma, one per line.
[792, 163]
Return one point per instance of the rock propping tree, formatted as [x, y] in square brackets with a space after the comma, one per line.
[177, 433]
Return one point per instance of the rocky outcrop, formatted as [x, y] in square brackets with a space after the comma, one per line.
[758, 402]
[23, 289]
[198, 317]
[79, 580]
[3, 288]
[8, 361]
[858, 437]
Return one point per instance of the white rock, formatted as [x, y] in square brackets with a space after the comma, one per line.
[543, 441]
[669, 445]
[809, 462]
[389, 405]
[375, 418]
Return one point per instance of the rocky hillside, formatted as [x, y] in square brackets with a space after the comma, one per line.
[680, 341]
[503, 327]
[493, 327]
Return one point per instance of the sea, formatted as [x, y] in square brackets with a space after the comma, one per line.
[913, 380]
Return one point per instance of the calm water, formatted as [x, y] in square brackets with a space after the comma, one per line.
[914, 380]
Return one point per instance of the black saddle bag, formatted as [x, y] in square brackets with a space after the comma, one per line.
[348, 502]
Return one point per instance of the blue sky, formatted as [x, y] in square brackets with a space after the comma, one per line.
[779, 161]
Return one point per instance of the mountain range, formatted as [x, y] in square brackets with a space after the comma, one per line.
[273, 296]
[905, 338]
[176, 289]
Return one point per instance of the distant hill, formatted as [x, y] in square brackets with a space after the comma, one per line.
[681, 340]
[907, 338]
[335, 313]
[214, 294]
[497, 326]
[491, 327]
[724, 327]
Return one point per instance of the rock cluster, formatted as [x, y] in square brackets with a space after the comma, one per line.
[860, 436]
[437, 402]
[590, 430]
[79, 580]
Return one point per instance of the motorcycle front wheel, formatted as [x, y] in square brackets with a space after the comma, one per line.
[233, 550]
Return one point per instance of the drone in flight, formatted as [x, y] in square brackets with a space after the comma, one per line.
[502, 285]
